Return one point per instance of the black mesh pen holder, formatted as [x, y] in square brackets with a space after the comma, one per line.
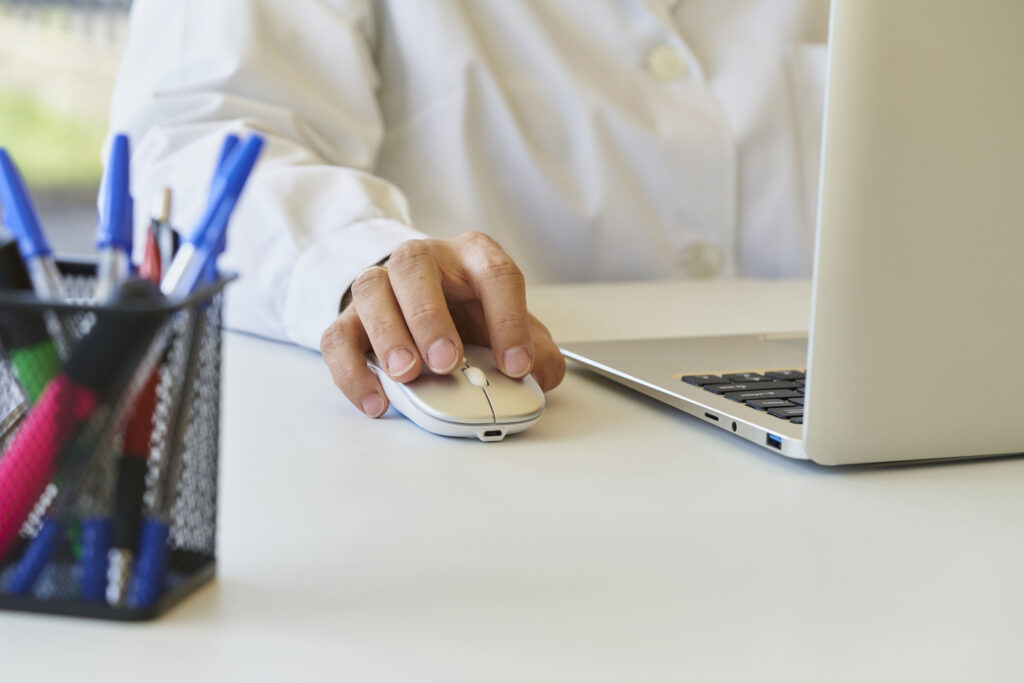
[109, 424]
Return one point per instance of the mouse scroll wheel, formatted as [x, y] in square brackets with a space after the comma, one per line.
[476, 377]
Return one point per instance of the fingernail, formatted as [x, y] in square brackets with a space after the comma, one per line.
[517, 362]
[399, 361]
[442, 356]
[372, 404]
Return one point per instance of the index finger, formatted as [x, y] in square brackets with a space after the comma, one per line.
[501, 289]
[415, 278]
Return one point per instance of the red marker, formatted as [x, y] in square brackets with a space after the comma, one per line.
[131, 473]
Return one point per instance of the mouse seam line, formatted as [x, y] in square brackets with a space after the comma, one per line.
[494, 416]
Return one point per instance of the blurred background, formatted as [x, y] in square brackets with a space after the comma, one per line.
[58, 61]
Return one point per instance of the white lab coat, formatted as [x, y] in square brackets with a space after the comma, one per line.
[595, 139]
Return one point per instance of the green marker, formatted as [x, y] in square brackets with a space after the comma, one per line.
[34, 365]
[32, 353]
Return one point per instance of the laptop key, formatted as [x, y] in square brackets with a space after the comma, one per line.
[746, 377]
[799, 400]
[766, 403]
[748, 386]
[797, 420]
[787, 413]
[704, 380]
[744, 396]
[785, 375]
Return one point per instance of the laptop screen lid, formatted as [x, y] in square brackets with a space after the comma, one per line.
[918, 304]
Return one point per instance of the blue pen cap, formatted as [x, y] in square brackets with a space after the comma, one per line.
[190, 266]
[230, 142]
[147, 583]
[114, 228]
[35, 558]
[19, 215]
[95, 544]
[226, 149]
[226, 187]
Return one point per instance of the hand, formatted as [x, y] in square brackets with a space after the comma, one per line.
[433, 296]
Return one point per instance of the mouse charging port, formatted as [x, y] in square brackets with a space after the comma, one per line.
[492, 433]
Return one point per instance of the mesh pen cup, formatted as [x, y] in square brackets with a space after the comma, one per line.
[109, 423]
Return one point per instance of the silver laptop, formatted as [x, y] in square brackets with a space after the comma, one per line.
[916, 347]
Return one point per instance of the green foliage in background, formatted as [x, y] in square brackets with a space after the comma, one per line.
[52, 149]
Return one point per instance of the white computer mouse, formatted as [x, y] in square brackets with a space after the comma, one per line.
[475, 401]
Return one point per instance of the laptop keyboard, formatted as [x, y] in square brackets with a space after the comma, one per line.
[779, 393]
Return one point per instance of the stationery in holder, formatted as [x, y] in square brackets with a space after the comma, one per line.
[62, 459]
[109, 405]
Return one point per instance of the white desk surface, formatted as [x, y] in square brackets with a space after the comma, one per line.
[617, 540]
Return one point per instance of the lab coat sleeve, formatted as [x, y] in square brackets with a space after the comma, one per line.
[302, 74]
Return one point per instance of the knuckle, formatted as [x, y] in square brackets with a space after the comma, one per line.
[408, 254]
[479, 239]
[347, 377]
[339, 345]
[509, 325]
[369, 280]
[488, 255]
[549, 368]
[542, 330]
[502, 268]
[333, 336]
[379, 328]
[425, 313]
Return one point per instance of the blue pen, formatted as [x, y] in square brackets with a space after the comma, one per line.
[147, 581]
[186, 272]
[114, 240]
[20, 217]
[230, 142]
[189, 265]
[114, 231]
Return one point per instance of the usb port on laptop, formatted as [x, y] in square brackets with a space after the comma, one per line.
[774, 441]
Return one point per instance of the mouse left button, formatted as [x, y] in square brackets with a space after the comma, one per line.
[448, 397]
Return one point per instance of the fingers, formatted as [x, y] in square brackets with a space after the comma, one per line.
[381, 317]
[344, 345]
[415, 279]
[549, 363]
[501, 289]
[404, 313]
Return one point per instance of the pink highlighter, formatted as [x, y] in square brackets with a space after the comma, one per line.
[28, 464]
[101, 365]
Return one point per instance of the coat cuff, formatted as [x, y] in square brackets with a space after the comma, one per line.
[323, 273]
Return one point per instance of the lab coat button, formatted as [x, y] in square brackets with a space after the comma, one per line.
[702, 260]
[666, 63]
